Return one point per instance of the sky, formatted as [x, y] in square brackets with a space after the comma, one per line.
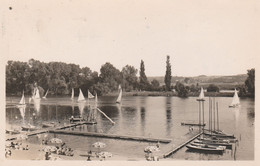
[213, 37]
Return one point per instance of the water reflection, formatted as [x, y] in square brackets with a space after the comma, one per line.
[147, 116]
[142, 115]
[81, 107]
[37, 103]
[22, 111]
[251, 114]
[168, 115]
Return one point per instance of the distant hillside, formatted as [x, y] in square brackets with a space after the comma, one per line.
[224, 82]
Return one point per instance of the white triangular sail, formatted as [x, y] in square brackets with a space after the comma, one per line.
[36, 93]
[81, 96]
[201, 96]
[72, 93]
[90, 96]
[119, 97]
[96, 101]
[45, 94]
[235, 101]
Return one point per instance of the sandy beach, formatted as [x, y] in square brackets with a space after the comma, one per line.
[35, 152]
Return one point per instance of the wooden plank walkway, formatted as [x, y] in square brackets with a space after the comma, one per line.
[179, 146]
[114, 136]
[41, 131]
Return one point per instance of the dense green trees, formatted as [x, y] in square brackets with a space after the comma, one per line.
[250, 81]
[129, 82]
[168, 74]
[213, 88]
[60, 78]
[181, 90]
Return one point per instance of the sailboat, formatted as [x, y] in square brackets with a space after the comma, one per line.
[235, 101]
[44, 97]
[36, 94]
[120, 95]
[201, 96]
[72, 94]
[22, 102]
[90, 96]
[81, 97]
[21, 106]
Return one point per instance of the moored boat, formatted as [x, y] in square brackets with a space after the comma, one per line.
[8, 131]
[206, 148]
[206, 145]
[29, 128]
[213, 140]
[227, 145]
[45, 125]
[192, 124]
[76, 119]
[220, 135]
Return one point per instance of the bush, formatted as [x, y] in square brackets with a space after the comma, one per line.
[212, 88]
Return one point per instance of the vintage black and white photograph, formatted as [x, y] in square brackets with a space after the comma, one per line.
[130, 80]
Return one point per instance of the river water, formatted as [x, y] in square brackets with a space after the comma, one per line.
[155, 117]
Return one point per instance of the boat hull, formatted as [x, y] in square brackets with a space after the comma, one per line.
[204, 149]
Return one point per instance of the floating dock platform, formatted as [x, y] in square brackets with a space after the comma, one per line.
[113, 136]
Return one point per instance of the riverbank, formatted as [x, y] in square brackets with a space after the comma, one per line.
[164, 93]
[157, 93]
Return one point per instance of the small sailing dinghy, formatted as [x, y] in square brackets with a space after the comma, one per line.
[44, 97]
[120, 95]
[36, 94]
[48, 124]
[29, 127]
[235, 102]
[206, 148]
[22, 102]
[90, 96]
[227, 145]
[201, 96]
[81, 97]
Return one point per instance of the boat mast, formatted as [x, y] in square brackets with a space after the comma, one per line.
[203, 116]
[209, 113]
[199, 117]
[217, 117]
[214, 113]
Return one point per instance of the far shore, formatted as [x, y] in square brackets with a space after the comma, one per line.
[156, 93]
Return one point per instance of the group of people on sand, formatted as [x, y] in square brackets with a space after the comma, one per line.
[64, 151]
[15, 146]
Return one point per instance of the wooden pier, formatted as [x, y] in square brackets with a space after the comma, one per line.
[41, 131]
[59, 130]
[179, 146]
[113, 136]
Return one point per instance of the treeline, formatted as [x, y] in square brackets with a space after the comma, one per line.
[61, 77]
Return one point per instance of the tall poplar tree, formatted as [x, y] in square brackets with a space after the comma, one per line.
[143, 82]
[168, 74]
